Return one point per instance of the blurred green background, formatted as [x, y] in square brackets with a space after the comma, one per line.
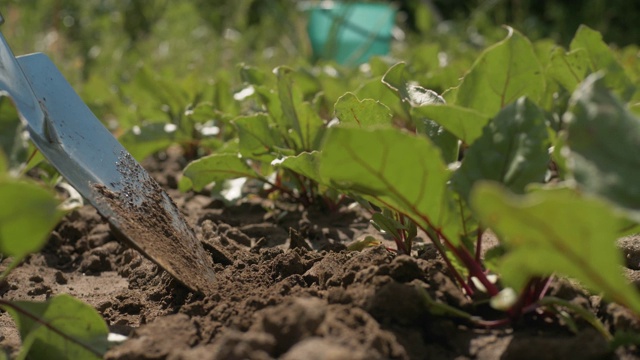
[135, 61]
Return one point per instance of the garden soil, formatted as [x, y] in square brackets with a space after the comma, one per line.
[286, 287]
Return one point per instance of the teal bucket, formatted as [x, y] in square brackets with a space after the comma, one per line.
[351, 33]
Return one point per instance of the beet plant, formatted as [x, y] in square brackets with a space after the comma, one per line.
[516, 137]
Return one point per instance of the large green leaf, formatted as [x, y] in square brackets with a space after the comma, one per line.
[27, 215]
[513, 150]
[503, 73]
[60, 328]
[391, 168]
[465, 124]
[556, 231]
[258, 138]
[362, 113]
[600, 57]
[604, 138]
[217, 167]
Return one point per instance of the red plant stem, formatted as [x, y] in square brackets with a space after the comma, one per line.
[400, 244]
[535, 290]
[402, 249]
[475, 269]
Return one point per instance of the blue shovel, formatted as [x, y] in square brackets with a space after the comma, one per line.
[76, 143]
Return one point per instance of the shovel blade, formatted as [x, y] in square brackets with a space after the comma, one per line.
[95, 163]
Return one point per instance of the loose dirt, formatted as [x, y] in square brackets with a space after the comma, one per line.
[287, 288]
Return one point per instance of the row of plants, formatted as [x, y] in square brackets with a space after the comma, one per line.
[529, 140]
[535, 143]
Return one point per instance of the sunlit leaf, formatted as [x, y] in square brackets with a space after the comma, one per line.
[503, 73]
[60, 328]
[362, 113]
[390, 168]
[568, 69]
[600, 57]
[560, 232]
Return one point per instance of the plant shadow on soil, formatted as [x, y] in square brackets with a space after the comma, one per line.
[287, 288]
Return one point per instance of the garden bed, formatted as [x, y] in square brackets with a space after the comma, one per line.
[287, 287]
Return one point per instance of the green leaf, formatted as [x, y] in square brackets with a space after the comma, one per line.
[60, 328]
[600, 57]
[503, 73]
[513, 150]
[390, 168]
[556, 231]
[362, 113]
[568, 69]
[305, 164]
[217, 167]
[28, 214]
[258, 138]
[465, 124]
[603, 139]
